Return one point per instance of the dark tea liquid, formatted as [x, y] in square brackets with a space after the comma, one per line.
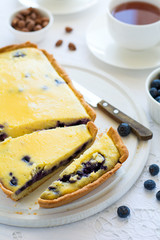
[137, 13]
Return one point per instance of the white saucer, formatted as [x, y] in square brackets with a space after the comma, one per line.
[60, 7]
[104, 48]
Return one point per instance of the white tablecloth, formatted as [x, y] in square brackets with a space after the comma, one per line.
[144, 222]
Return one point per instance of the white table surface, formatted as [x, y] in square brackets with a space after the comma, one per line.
[144, 221]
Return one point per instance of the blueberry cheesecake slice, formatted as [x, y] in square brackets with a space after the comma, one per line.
[87, 172]
[27, 161]
[36, 93]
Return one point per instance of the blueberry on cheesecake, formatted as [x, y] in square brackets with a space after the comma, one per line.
[27, 161]
[87, 172]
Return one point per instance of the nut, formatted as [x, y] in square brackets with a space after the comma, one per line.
[21, 23]
[68, 29]
[29, 20]
[59, 43]
[71, 46]
[37, 27]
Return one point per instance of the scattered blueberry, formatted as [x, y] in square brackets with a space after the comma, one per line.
[154, 92]
[14, 181]
[155, 83]
[154, 169]
[158, 195]
[1, 126]
[10, 174]
[124, 129]
[123, 211]
[149, 184]
[19, 54]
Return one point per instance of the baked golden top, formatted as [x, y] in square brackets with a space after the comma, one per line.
[33, 95]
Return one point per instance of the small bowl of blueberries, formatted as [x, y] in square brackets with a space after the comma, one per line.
[153, 94]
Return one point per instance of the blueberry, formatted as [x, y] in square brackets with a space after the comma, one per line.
[158, 92]
[3, 136]
[158, 195]
[58, 82]
[26, 159]
[123, 211]
[65, 178]
[19, 54]
[14, 181]
[149, 184]
[157, 99]
[79, 173]
[124, 129]
[51, 188]
[154, 169]
[1, 126]
[155, 83]
[10, 173]
[154, 92]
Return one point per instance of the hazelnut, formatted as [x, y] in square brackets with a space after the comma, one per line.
[44, 24]
[21, 23]
[14, 22]
[30, 25]
[71, 46]
[37, 27]
[68, 29]
[59, 43]
[33, 15]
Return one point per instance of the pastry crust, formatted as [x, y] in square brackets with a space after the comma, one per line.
[58, 69]
[91, 186]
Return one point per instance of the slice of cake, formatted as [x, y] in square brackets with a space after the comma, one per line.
[87, 172]
[27, 161]
[36, 93]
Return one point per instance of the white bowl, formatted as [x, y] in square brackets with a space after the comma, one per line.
[35, 36]
[134, 37]
[153, 105]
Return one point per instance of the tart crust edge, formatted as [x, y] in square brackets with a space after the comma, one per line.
[58, 69]
[113, 134]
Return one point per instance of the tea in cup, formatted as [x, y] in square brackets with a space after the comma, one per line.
[134, 24]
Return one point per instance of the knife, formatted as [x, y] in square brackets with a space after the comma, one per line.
[138, 129]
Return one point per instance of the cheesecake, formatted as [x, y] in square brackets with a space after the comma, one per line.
[27, 161]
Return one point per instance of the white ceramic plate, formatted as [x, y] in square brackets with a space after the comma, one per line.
[60, 7]
[107, 50]
[26, 212]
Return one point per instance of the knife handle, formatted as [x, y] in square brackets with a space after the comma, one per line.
[138, 129]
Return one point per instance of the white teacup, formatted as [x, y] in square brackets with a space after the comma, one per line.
[135, 37]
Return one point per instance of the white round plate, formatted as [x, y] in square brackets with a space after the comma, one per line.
[26, 212]
[60, 7]
[107, 50]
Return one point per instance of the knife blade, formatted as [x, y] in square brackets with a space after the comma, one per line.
[138, 129]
